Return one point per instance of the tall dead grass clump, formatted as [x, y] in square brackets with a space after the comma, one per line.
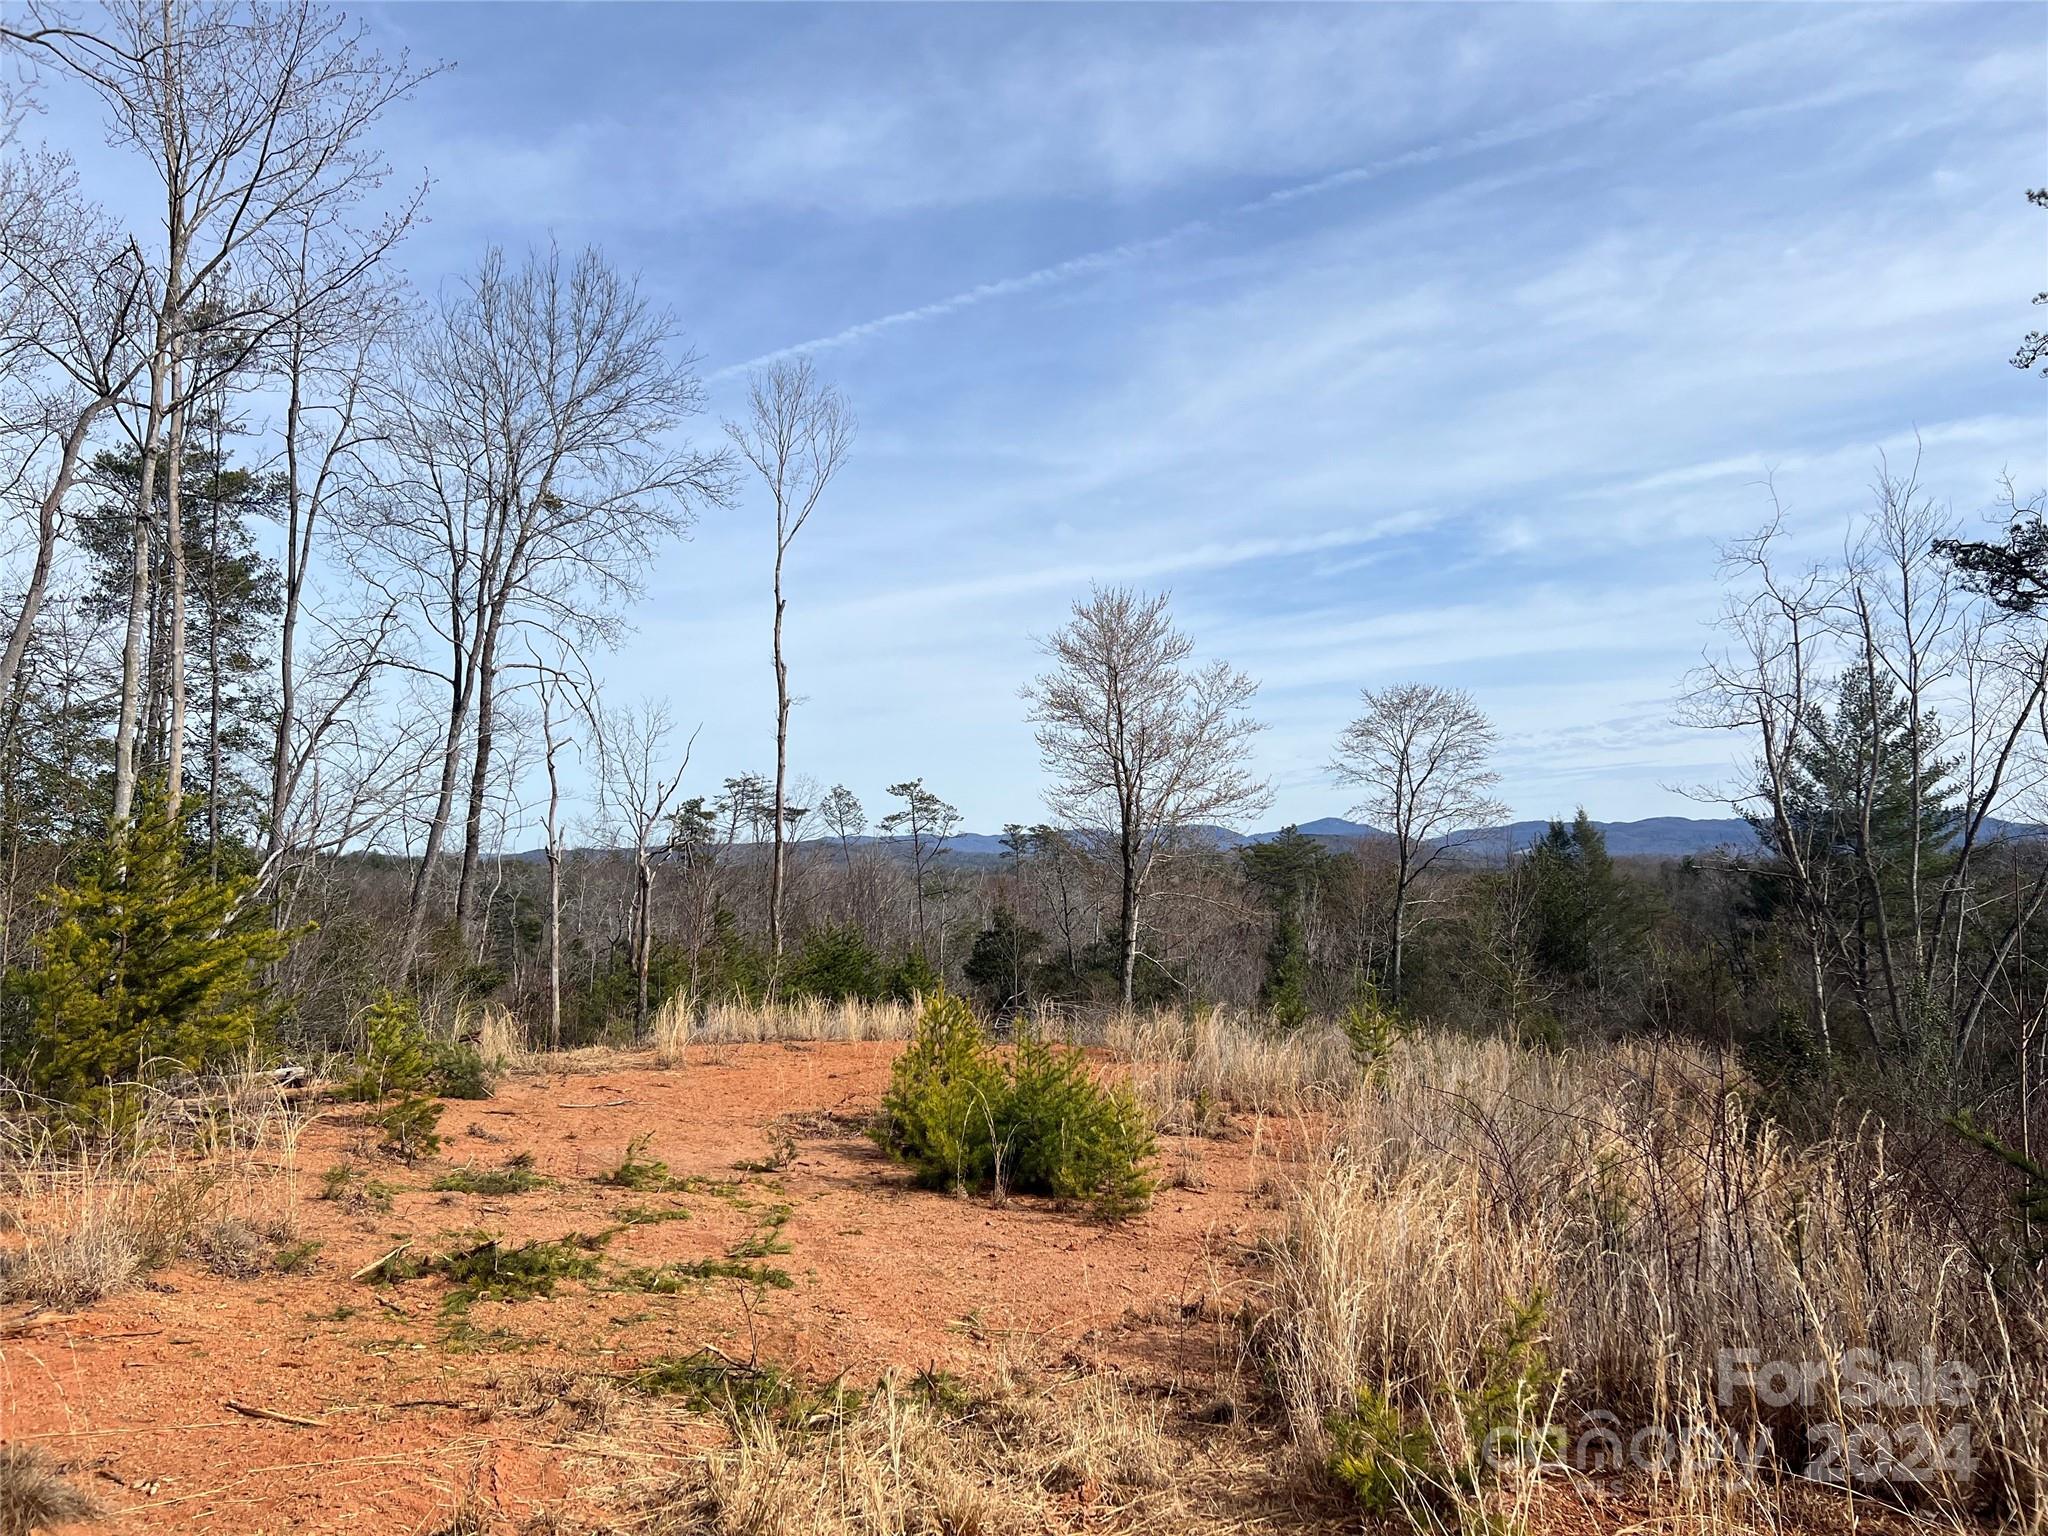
[804, 1018]
[1190, 1068]
[670, 1028]
[500, 1038]
[34, 1495]
[1664, 1235]
[87, 1210]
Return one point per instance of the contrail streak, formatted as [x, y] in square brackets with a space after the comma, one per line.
[1550, 120]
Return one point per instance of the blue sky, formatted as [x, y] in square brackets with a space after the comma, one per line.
[1440, 343]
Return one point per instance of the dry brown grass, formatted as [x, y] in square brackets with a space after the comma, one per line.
[34, 1495]
[1660, 1223]
[208, 1169]
[1190, 1070]
[677, 1025]
[1076, 1455]
[500, 1038]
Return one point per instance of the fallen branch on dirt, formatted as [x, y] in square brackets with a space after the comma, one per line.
[376, 1266]
[272, 1416]
[602, 1104]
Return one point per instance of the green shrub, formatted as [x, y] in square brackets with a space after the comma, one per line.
[294, 1257]
[147, 959]
[1284, 991]
[1371, 1028]
[489, 1271]
[1069, 1137]
[835, 965]
[912, 977]
[731, 967]
[959, 1117]
[410, 1126]
[638, 1171]
[1387, 1464]
[348, 1185]
[459, 1071]
[747, 1393]
[668, 1279]
[945, 1097]
[1393, 1465]
[515, 1178]
[396, 1057]
[1509, 1408]
[1002, 960]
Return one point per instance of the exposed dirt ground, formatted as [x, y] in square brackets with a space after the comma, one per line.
[316, 1402]
[401, 1391]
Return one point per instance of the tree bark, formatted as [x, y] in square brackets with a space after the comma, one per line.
[781, 769]
[213, 752]
[486, 672]
[1127, 911]
[298, 537]
[554, 915]
[49, 522]
[460, 685]
[643, 945]
[174, 553]
[138, 605]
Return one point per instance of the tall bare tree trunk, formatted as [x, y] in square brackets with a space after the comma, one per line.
[298, 536]
[1401, 879]
[554, 900]
[174, 551]
[138, 605]
[781, 770]
[486, 672]
[1127, 910]
[163, 385]
[213, 753]
[643, 938]
[49, 523]
[796, 438]
[444, 805]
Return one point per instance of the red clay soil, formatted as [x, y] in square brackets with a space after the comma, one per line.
[311, 1402]
[135, 1393]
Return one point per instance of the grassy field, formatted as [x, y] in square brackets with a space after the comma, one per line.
[1454, 1287]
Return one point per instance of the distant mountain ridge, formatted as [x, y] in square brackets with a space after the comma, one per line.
[1653, 837]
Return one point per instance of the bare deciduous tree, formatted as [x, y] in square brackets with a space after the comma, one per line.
[796, 436]
[539, 470]
[247, 116]
[1762, 683]
[637, 794]
[332, 341]
[73, 298]
[1420, 755]
[928, 822]
[1142, 745]
[565, 697]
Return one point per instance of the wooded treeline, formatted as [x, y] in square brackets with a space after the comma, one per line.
[313, 576]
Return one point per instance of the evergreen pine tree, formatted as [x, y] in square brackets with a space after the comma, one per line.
[148, 960]
[1284, 991]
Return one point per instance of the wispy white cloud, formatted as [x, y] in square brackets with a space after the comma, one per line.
[1396, 341]
[1543, 122]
